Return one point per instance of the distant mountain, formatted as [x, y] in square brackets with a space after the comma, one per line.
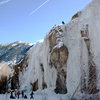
[13, 52]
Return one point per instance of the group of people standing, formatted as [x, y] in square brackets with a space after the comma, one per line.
[18, 93]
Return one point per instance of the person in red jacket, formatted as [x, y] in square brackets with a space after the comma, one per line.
[18, 93]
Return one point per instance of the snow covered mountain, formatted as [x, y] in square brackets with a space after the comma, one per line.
[68, 59]
[12, 53]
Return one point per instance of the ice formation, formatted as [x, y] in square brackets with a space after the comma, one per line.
[67, 56]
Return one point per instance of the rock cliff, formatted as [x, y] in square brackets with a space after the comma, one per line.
[68, 59]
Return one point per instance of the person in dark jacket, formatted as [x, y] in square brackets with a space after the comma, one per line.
[25, 97]
[22, 94]
[11, 96]
[32, 95]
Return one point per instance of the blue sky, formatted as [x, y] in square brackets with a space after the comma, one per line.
[30, 20]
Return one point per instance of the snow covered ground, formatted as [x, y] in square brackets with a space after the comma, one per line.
[37, 97]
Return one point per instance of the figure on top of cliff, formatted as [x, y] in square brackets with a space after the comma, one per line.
[63, 22]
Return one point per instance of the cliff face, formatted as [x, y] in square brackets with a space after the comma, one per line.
[68, 58]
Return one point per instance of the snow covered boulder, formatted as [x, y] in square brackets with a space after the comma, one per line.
[4, 76]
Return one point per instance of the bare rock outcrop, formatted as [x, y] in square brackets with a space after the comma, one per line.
[20, 67]
[58, 58]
